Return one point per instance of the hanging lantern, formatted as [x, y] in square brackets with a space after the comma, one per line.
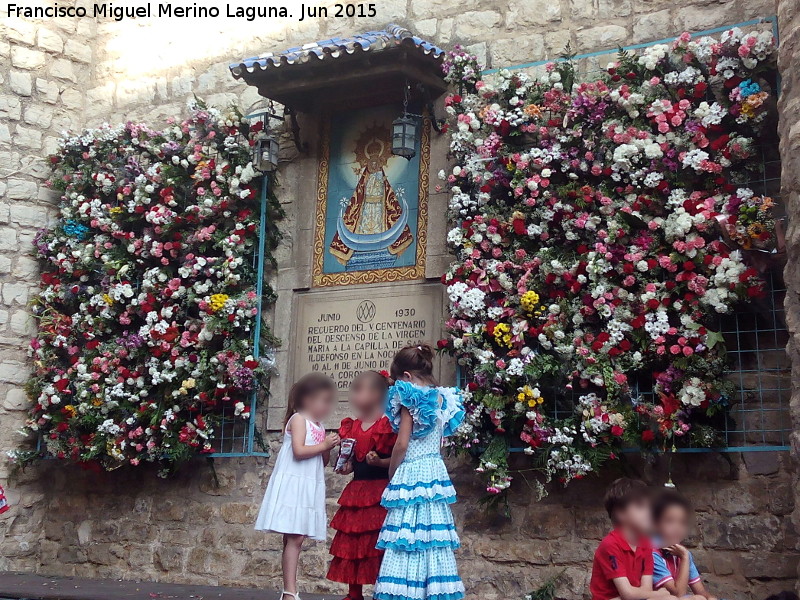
[265, 152]
[404, 136]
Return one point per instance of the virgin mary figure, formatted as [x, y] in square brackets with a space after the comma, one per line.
[373, 219]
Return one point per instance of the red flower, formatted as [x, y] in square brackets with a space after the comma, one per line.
[617, 431]
[648, 436]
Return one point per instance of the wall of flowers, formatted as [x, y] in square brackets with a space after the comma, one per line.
[600, 229]
[147, 309]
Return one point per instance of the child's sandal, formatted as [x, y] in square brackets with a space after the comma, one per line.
[294, 596]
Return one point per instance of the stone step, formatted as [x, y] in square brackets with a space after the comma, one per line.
[27, 586]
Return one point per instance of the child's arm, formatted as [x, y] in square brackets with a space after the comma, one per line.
[642, 592]
[376, 461]
[401, 445]
[303, 452]
[679, 586]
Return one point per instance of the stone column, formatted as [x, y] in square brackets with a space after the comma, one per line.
[789, 129]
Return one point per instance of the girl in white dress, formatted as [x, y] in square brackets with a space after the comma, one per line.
[294, 503]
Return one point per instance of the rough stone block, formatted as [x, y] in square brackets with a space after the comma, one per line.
[16, 399]
[13, 371]
[20, 83]
[168, 558]
[61, 68]
[532, 13]
[474, 24]
[26, 268]
[706, 16]
[262, 562]
[47, 90]
[39, 115]
[72, 99]
[741, 532]
[10, 107]
[8, 239]
[761, 463]
[49, 40]
[170, 510]
[22, 323]
[30, 215]
[78, 51]
[652, 26]
[778, 566]
[604, 37]
[515, 51]
[5, 134]
[19, 30]
[238, 512]
[25, 58]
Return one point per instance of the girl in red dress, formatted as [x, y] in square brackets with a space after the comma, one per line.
[360, 517]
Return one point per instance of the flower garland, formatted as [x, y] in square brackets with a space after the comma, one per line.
[147, 308]
[598, 228]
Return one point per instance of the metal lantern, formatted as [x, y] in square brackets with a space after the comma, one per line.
[404, 136]
[265, 152]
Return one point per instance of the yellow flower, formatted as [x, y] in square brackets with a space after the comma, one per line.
[97, 402]
[529, 301]
[115, 211]
[70, 410]
[217, 302]
[530, 395]
[108, 299]
[502, 334]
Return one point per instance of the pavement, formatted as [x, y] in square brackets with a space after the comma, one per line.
[26, 586]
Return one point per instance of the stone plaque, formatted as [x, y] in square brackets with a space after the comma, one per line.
[344, 332]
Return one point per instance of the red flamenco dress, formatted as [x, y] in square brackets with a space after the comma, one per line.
[360, 516]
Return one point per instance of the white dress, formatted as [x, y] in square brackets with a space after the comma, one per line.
[295, 498]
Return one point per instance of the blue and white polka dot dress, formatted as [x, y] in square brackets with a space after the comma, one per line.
[419, 534]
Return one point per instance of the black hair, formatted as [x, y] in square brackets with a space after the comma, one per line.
[667, 499]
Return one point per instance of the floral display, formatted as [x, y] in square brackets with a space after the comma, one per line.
[598, 235]
[147, 308]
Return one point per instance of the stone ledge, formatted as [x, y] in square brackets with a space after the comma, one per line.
[38, 587]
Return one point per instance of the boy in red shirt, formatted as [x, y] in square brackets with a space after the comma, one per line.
[623, 563]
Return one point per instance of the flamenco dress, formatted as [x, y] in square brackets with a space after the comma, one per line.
[419, 535]
[358, 521]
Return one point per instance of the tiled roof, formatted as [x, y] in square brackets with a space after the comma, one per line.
[370, 41]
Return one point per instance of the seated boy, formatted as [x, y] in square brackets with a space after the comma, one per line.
[673, 565]
[623, 563]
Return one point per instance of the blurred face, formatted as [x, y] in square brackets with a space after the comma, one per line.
[319, 406]
[673, 526]
[636, 516]
[365, 396]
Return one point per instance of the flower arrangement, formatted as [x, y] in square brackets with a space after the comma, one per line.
[598, 230]
[147, 308]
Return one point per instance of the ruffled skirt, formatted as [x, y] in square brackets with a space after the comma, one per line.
[356, 558]
[419, 535]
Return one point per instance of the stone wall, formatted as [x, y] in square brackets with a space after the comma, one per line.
[44, 67]
[197, 526]
[789, 129]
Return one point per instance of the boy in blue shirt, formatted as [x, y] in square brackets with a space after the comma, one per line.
[673, 565]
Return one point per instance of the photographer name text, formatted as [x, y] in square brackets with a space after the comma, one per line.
[169, 10]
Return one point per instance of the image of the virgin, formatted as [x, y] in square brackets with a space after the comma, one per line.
[373, 219]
